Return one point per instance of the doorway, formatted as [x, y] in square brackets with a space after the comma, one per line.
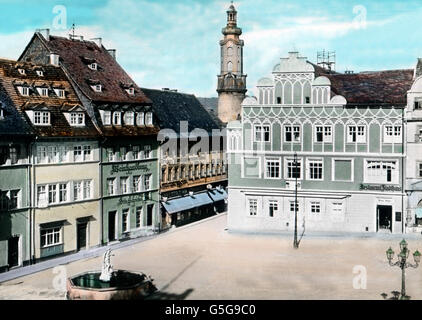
[81, 234]
[112, 226]
[13, 252]
[384, 216]
[150, 209]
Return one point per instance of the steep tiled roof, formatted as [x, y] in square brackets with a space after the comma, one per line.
[77, 54]
[53, 77]
[172, 107]
[380, 87]
[211, 105]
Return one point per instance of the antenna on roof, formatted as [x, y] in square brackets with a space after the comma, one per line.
[72, 36]
[327, 60]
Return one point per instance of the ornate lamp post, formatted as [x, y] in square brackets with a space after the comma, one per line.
[295, 242]
[402, 263]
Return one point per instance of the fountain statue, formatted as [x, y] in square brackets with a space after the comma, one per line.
[107, 268]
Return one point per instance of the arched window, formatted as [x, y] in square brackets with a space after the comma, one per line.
[278, 93]
[307, 92]
[229, 51]
[229, 66]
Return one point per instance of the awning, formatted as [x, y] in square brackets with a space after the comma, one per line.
[218, 195]
[187, 202]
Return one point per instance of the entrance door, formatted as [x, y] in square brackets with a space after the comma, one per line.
[81, 235]
[112, 226]
[13, 252]
[384, 214]
[150, 209]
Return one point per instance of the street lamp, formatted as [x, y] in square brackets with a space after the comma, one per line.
[295, 242]
[402, 263]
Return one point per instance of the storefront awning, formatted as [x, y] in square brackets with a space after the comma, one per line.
[187, 202]
[218, 195]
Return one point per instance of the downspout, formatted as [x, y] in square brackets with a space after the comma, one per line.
[404, 160]
[101, 192]
[32, 210]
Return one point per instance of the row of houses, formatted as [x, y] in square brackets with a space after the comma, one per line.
[83, 156]
[342, 150]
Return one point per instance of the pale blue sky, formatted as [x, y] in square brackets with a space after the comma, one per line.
[174, 43]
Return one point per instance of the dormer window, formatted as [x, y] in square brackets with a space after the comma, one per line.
[1, 112]
[24, 91]
[77, 118]
[43, 92]
[40, 73]
[106, 117]
[97, 88]
[129, 118]
[131, 91]
[93, 66]
[140, 119]
[148, 118]
[41, 117]
[117, 118]
[60, 93]
[21, 71]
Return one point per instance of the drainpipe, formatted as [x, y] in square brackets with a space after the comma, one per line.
[32, 207]
[101, 191]
[403, 162]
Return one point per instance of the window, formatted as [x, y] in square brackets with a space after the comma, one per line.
[110, 154]
[123, 153]
[147, 181]
[77, 118]
[307, 100]
[43, 92]
[138, 222]
[148, 152]
[4, 201]
[97, 88]
[51, 236]
[93, 66]
[272, 169]
[125, 220]
[315, 207]
[111, 189]
[53, 154]
[52, 193]
[41, 117]
[116, 118]
[21, 71]
[107, 117]
[418, 105]
[87, 189]
[14, 154]
[42, 155]
[253, 207]
[292, 133]
[130, 91]
[148, 118]
[41, 196]
[294, 206]
[392, 134]
[129, 118]
[77, 153]
[77, 190]
[315, 169]
[272, 207]
[124, 185]
[356, 134]
[14, 199]
[2, 112]
[337, 208]
[135, 152]
[137, 183]
[40, 73]
[24, 91]
[293, 169]
[59, 93]
[381, 172]
[323, 134]
[140, 120]
[262, 133]
[63, 192]
[420, 170]
[87, 153]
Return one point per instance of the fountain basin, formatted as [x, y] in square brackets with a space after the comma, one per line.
[123, 285]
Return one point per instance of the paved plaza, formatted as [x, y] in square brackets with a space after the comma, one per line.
[205, 261]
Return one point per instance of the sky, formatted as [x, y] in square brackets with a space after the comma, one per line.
[175, 43]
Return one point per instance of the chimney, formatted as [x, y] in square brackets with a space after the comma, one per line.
[112, 53]
[45, 33]
[54, 59]
[98, 41]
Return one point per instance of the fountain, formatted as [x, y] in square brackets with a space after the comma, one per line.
[109, 284]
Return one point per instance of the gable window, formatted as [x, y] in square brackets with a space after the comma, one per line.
[129, 118]
[24, 91]
[392, 134]
[272, 207]
[43, 92]
[292, 133]
[272, 169]
[77, 118]
[140, 120]
[148, 118]
[41, 117]
[323, 134]
[356, 134]
[117, 118]
[59, 93]
[253, 207]
[262, 133]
